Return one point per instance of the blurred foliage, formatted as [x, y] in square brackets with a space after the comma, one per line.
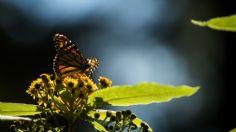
[233, 130]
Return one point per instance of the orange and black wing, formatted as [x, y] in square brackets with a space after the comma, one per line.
[69, 60]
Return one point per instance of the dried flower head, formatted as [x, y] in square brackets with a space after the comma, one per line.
[104, 82]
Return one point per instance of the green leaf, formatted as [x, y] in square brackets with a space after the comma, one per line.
[18, 109]
[98, 126]
[143, 93]
[226, 23]
[102, 116]
[233, 130]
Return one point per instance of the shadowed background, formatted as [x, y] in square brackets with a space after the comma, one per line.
[135, 41]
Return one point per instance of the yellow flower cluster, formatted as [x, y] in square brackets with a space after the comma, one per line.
[64, 95]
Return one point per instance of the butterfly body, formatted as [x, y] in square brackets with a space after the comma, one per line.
[68, 60]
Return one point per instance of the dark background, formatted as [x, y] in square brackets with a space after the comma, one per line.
[135, 41]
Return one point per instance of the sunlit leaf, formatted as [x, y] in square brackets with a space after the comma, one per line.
[226, 23]
[98, 126]
[18, 109]
[143, 93]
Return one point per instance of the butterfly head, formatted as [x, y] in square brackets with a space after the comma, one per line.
[92, 64]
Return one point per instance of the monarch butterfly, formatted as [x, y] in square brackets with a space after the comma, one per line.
[68, 60]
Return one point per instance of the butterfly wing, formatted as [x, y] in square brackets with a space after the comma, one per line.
[69, 60]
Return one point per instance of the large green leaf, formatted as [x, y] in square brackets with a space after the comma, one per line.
[102, 116]
[226, 23]
[143, 93]
[18, 109]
